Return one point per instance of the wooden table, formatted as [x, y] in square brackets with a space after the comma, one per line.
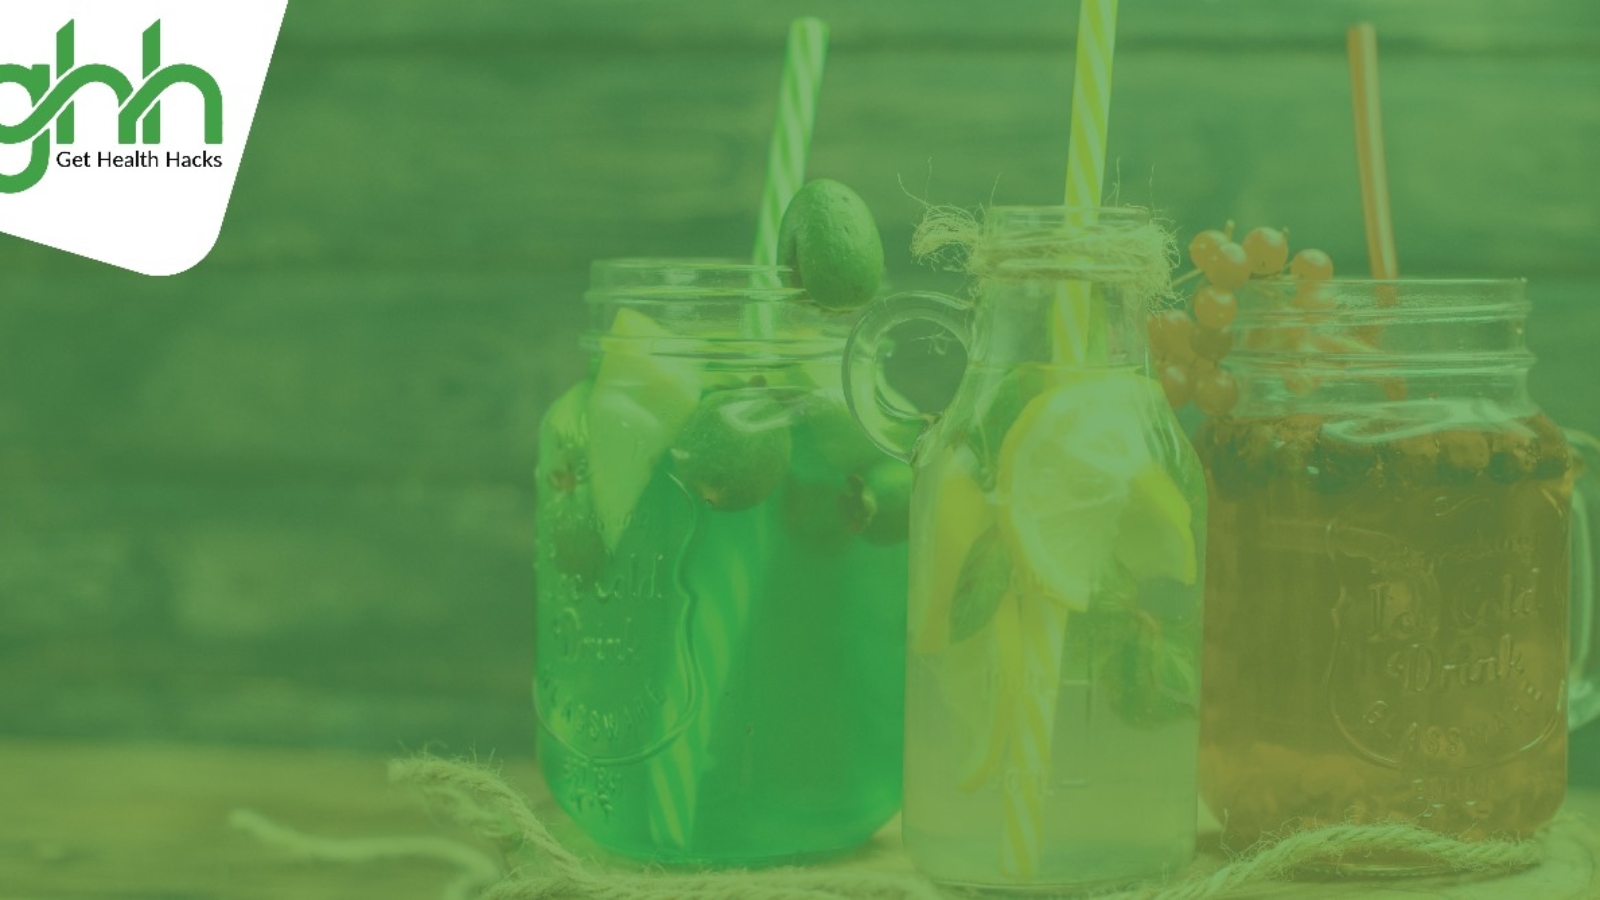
[95, 821]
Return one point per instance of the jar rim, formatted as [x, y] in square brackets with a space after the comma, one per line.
[713, 310]
[1375, 301]
[1432, 282]
[687, 263]
[710, 278]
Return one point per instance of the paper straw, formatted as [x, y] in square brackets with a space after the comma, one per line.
[1075, 318]
[1362, 42]
[1075, 327]
[1025, 787]
[722, 620]
[791, 131]
[1091, 102]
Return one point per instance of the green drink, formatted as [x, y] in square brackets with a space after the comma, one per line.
[721, 570]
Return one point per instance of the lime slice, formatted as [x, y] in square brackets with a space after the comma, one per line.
[1079, 488]
[638, 402]
[961, 515]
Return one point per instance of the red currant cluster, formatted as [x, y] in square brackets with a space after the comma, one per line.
[1188, 352]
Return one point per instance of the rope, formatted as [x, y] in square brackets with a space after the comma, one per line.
[481, 801]
[1136, 256]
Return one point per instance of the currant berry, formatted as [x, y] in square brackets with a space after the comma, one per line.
[1176, 383]
[1211, 344]
[1230, 268]
[1268, 250]
[1215, 392]
[1214, 307]
[1311, 265]
[1175, 330]
[1203, 248]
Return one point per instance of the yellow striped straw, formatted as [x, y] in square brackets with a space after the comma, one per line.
[1086, 161]
[791, 132]
[1027, 784]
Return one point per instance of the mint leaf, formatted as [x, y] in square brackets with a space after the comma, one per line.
[1152, 678]
[984, 578]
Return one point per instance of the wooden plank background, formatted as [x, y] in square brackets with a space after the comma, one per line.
[284, 498]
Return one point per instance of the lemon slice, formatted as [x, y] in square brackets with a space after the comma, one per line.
[1154, 537]
[636, 407]
[961, 515]
[1080, 489]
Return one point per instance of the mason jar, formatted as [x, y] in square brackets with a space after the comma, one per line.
[721, 574]
[1390, 593]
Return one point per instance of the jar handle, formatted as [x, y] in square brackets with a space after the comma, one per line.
[1583, 679]
[887, 419]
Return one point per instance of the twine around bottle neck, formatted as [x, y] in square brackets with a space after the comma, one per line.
[1116, 247]
[1038, 273]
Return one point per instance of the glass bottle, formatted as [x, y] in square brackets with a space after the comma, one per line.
[721, 577]
[1057, 536]
[1392, 525]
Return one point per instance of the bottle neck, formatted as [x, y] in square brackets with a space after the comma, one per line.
[1057, 322]
[1061, 285]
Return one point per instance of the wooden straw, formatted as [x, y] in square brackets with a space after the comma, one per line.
[1362, 43]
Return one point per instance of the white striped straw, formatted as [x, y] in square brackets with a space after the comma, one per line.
[722, 621]
[791, 131]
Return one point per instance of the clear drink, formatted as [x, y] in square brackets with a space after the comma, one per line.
[1057, 535]
[1116, 681]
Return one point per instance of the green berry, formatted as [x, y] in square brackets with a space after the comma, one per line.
[888, 484]
[829, 238]
[825, 513]
[840, 440]
[734, 449]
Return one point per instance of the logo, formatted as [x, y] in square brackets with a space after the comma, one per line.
[123, 123]
[54, 102]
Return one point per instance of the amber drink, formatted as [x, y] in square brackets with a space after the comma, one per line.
[1389, 572]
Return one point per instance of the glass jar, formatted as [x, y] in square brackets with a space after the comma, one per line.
[1388, 577]
[721, 572]
[1058, 518]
